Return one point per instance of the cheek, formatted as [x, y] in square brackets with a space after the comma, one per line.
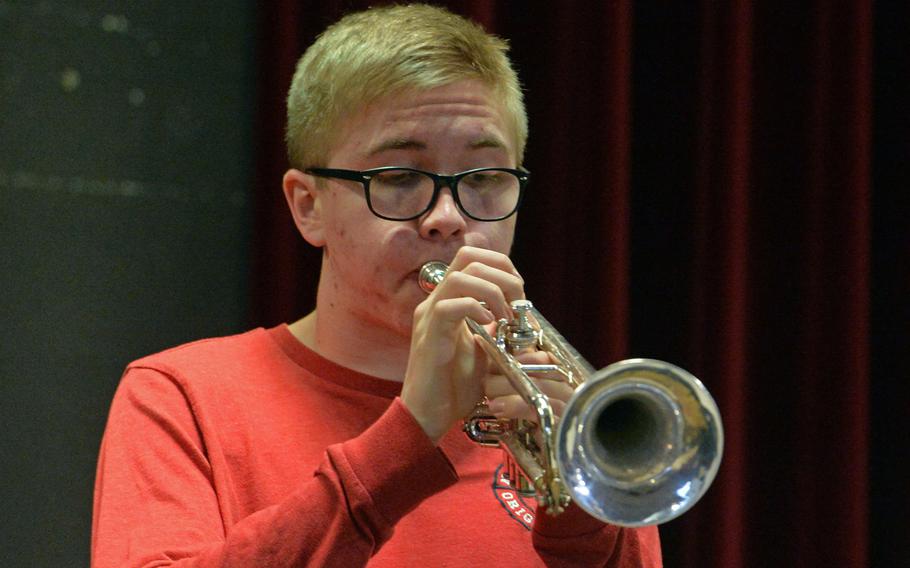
[343, 246]
[338, 239]
[369, 248]
[493, 236]
[507, 236]
[343, 223]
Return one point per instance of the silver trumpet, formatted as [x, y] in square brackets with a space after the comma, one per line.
[639, 441]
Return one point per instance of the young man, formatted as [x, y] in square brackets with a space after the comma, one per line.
[331, 441]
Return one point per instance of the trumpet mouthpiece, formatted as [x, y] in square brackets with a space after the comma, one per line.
[431, 275]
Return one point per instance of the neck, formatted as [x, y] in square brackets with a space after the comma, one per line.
[353, 341]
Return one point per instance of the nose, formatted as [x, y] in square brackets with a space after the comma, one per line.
[444, 221]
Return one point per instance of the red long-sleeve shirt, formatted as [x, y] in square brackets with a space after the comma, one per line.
[253, 450]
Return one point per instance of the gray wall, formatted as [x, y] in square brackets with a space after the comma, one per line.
[125, 166]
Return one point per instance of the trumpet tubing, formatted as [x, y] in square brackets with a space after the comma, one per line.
[638, 443]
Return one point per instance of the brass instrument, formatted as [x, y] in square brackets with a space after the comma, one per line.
[639, 441]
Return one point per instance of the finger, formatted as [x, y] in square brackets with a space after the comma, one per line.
[452, 311]
[552, 383]
[468, 254]
[490, 265]
[465, 285]
[513, 407]
[535, 357]
[509, 281]
[498, 385]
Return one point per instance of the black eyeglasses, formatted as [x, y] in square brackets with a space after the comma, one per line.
[401, 194]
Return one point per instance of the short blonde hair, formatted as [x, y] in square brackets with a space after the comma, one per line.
[368, 55]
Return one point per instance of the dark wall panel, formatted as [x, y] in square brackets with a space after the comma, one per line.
[125, 166]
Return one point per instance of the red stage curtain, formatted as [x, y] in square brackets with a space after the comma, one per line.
[702, 193]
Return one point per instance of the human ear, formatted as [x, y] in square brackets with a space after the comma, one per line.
[303, 201]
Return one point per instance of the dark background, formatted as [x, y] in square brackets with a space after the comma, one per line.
[125, 168]
[140, 161]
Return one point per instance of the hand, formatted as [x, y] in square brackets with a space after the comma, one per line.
[446, 368]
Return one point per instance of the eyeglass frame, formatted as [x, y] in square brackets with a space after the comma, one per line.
[439, 181]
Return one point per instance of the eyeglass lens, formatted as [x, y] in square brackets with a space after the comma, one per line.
[488, 194]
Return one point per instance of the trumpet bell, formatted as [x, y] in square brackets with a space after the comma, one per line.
[639, 442]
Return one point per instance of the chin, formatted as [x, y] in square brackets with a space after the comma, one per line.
[401, 325]
[398, 315]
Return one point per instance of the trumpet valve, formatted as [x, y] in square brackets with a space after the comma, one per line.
[520, 333]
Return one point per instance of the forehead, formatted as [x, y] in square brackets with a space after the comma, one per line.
[460, 115]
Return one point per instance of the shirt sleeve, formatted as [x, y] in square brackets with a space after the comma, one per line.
[156, 505]
[574, 538]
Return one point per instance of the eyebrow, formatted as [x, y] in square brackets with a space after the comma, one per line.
[488, 142]
[397, 144]
[410, 144]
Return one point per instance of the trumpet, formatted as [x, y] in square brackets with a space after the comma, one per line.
[638, 443]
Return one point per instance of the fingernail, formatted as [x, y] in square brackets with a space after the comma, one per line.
[496, 406]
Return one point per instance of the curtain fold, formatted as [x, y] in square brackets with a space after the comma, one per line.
[721, 289]
[701, 192]
[834, 320]
[580, 164]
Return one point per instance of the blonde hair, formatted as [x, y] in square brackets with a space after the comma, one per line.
[382, 51]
